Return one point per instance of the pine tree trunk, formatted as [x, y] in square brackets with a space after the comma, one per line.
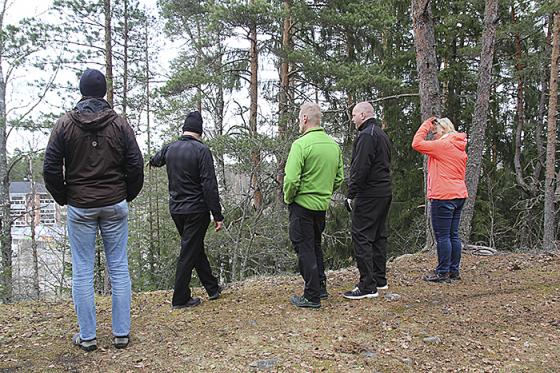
[480, 116]
[197, 63]
[520, 111]
[220, 108]
[284, 97]
[426, 61]
[152, 257]
[451, 87]
[110, 99]
[350, 94]
[539, 128]
[6, 290]
[125, 60]
[549, 237]
[253, 93]
[32, 226]
[557, 193]
[429, 90]
[62, 281]
[108, 51]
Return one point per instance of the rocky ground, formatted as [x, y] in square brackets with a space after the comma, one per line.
[503, 316]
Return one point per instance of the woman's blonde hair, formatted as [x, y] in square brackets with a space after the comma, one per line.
[446, 125]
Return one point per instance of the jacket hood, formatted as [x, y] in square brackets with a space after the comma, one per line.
[92, 114]
[459, 140]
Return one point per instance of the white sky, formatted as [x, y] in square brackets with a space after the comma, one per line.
[19, 9]
[20, 96]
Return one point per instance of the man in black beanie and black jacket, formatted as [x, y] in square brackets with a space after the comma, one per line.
[93, 165]
[193, 193]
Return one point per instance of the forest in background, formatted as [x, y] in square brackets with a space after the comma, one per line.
[490, 66]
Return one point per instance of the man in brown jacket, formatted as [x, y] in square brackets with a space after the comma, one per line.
[103, 170]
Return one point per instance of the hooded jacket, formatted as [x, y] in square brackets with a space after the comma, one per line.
[193, 187]
[102, 162]
[447, 162]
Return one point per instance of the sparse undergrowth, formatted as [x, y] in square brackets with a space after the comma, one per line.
[504, 316]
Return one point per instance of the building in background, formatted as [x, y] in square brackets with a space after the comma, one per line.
[40, 262]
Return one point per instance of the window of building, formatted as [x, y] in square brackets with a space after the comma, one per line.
[17, 210]
[48, 210]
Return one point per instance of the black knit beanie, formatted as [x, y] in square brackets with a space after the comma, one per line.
[93, 84]
[193, 123]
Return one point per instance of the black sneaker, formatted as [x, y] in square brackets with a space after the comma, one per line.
[323, 293]
[437, 277]
[454, 276]
[121, 342]
[216, 295]
[89, 345]
[301, 301]
[356, 293]
[193, 302]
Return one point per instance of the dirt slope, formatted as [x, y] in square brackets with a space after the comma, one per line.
[504, 316]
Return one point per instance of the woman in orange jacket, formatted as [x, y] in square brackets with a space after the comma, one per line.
[447, 191]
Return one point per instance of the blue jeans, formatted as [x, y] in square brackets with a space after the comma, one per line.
[82, 230]
[446, 215]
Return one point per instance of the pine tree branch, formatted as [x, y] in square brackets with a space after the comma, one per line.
[375, 101]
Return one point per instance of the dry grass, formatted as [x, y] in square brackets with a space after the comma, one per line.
[504, 316]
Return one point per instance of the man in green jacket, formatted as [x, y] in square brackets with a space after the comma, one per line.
[314, 170]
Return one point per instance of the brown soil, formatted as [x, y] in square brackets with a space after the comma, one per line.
[503, 316]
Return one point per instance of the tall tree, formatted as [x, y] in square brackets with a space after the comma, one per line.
[153, 244]
[520, 109]
[429, 89]
[108, 50]
[32, 226]
[5, 223]
[112, 43]
[207, 70]
[549, 236]
[126, 38]
[426, 60]
[18, 45]
[284, 96]
[253, 107]
[480, 115]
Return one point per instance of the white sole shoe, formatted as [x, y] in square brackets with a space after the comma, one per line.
[383, 287]
[361, 296]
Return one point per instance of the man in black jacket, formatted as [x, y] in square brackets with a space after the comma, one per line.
[103, 170]
[193, 192]
[369, 199]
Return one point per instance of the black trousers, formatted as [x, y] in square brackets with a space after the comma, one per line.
[369, 238]
[192, 228]
[306, 227]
